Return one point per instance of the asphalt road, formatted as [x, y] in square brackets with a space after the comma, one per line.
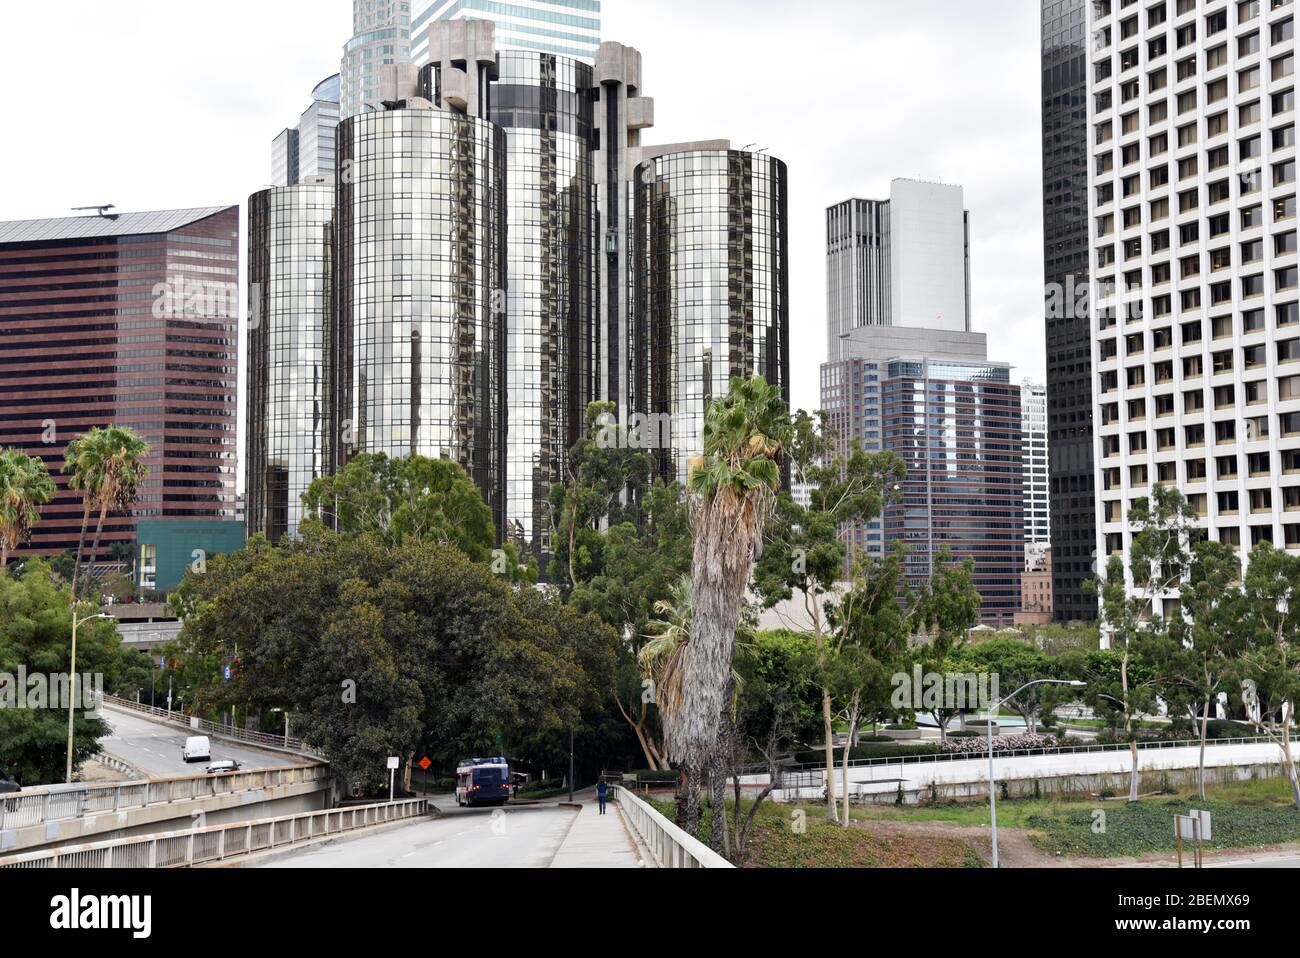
[490, 838]
[155, 748]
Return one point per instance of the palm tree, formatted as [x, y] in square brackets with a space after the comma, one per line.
[107, 465]
[25, 484]
[732, 489]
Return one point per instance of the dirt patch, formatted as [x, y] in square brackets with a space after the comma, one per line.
[1015, 846]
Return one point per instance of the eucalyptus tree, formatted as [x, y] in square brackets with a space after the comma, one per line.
[804, 557]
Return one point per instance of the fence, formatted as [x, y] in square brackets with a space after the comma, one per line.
[671, 847]
[206, 846]
[1019, 753]
[37, 806]
[283, 743]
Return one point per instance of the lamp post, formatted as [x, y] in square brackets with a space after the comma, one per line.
[72, 683]
[993, 711]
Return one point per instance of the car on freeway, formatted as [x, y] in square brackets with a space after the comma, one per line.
[223, 767]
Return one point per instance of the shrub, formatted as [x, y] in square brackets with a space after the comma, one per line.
[1000, 744]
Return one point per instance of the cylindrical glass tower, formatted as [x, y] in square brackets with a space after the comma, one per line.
[544, 103]
[290, 235]
[711, 287]
[421, 287]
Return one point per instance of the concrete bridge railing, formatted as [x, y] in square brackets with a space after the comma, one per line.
[220, 843]
[57, 803]
[671, 846]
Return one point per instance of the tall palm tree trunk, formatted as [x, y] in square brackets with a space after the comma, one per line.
[81, 541]
[94, 549]
[728, 527]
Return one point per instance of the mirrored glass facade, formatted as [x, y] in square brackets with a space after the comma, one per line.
[544, 103]
[711, 287]
[421, 291]
[290, 266]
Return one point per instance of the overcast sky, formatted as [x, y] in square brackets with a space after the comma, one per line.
[157, 104]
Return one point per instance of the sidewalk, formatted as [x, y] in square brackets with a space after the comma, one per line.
[599, 841]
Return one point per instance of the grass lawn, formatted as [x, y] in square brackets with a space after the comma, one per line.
[1247, 814]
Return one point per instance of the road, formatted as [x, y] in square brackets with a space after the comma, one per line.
[155, 748]
[514, 838]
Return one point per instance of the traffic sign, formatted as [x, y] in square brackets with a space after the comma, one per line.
[394, 762]
[425, 763]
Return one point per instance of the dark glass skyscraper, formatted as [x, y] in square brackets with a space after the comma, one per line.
[421, 275]
[711, 286]
[290, 243]
[1069, 345]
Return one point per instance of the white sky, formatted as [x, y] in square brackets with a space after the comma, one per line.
[157, 104]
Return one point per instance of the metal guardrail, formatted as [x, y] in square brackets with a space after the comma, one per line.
[1030, 752]
[266, 739]
[219, 843]
[51, 803]
[670, 845]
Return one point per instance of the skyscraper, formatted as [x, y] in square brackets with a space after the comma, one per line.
[569, 28]
[307, 150]
[289, 441]
[129, 320]
[1069, 343]
[381, 36]
[712, 286]
[1033, 410]
[1192, 234]
[421, 246]
[904, 261]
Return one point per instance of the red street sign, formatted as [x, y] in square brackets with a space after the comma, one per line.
[425, 763]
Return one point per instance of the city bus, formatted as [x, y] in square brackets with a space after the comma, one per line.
[483, 781]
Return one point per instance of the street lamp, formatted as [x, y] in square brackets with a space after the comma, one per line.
[993, 711]
[72, 684]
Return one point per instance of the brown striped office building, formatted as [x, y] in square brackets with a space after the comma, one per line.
[129, 319]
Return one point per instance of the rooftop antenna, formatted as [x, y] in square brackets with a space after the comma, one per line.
[102, 211]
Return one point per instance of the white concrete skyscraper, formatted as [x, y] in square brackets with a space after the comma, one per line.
[381, 34]
[904, 261]
[1196, 334]
[570, 28]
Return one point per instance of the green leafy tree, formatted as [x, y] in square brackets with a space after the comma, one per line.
[804, 556]
[380, 649]
[1133, 615]
[36, 636]
[414, 499]
[1016, 663]
[1272, 656]
[25, 486]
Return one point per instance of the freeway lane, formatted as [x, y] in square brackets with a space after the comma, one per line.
[521, 838]
[155, 748]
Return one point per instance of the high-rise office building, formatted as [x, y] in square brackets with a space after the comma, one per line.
[1192, 231]
[381, 36]
[569, 28]
[1065, 66]
[545, 105]
[130, 320]
[506, 250]
[904, 261]
[421, 246]
[289, 441]
[307, 150]
[712, 286]
[1038, 525]
[957, 427]
[852, 399]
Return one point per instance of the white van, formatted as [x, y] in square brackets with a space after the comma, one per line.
[197, 749]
